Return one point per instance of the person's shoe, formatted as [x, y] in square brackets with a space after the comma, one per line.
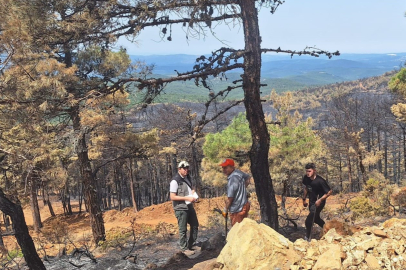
[306, 239]
[188, 252]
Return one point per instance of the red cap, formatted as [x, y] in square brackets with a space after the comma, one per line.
[227, 162]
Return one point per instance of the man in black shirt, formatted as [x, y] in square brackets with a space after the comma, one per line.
[318, 190]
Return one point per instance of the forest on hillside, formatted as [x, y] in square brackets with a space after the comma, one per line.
[79, 120]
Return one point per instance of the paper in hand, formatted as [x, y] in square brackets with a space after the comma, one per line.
[194, 195]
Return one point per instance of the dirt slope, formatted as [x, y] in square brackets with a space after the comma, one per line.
[158, 220]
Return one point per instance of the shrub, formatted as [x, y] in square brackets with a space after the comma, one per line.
[371, 186]
[56, 232]
[116, 238]
[362, 207]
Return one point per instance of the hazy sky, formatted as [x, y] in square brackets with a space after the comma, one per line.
[350, 26]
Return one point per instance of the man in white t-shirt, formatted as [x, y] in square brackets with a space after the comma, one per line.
[183, 196]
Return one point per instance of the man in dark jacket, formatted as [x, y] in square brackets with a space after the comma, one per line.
[183, 196]
[318, 190]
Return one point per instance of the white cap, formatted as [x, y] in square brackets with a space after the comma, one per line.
[183, 164]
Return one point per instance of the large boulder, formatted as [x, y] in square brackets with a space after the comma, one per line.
[256, 246]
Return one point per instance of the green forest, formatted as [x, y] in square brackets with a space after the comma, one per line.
[82, 122]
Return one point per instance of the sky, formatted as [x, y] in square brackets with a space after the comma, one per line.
[349, 26]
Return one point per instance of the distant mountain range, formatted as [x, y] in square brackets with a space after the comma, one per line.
[282, 72]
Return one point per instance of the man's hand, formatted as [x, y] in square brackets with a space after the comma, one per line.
[305, 204]
[318, 202]
[190, 199]
[224, 213]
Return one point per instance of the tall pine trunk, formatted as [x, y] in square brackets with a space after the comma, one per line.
[49, 204]
[132, 188]
[117, 182]
[36, 215]
[255, 116]
[80, 195]
[88, 180]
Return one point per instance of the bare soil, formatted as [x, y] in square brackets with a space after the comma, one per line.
[153, 231]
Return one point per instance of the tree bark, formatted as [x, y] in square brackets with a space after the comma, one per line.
[51, 209]
[90, 192]
[80, 195]
[44, 200]
[255, 115]
[350, 178]
[1, 238]
[89, 181]
[109, 196]
[22, 235]
[67, 197]
[6, 220]
[117, 181]
[36, 215]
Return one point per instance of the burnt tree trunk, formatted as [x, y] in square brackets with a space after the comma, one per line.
[349, 168]
[36, 215]
[67, 197]
[132, 189]
[109, 196]
[6, 220]
[174, 164]
[63, 202]
[44, 200]
[22, 235]
[361, 165]
[51, 209]
[158, 183]
[117, 181]
[195, 170]
[90, 192]
[80, 195]
[255, 115]
[284, 194]
[88, 180]
[1, 238]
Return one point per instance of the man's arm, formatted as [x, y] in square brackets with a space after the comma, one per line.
[305, 191]
[175, 197]
[228, 203]
[324, 197]
[173, 187]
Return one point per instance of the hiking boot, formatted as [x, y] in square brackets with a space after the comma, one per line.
[188, 252]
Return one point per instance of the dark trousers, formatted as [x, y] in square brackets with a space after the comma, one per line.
[184, 218]
[314, 214]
